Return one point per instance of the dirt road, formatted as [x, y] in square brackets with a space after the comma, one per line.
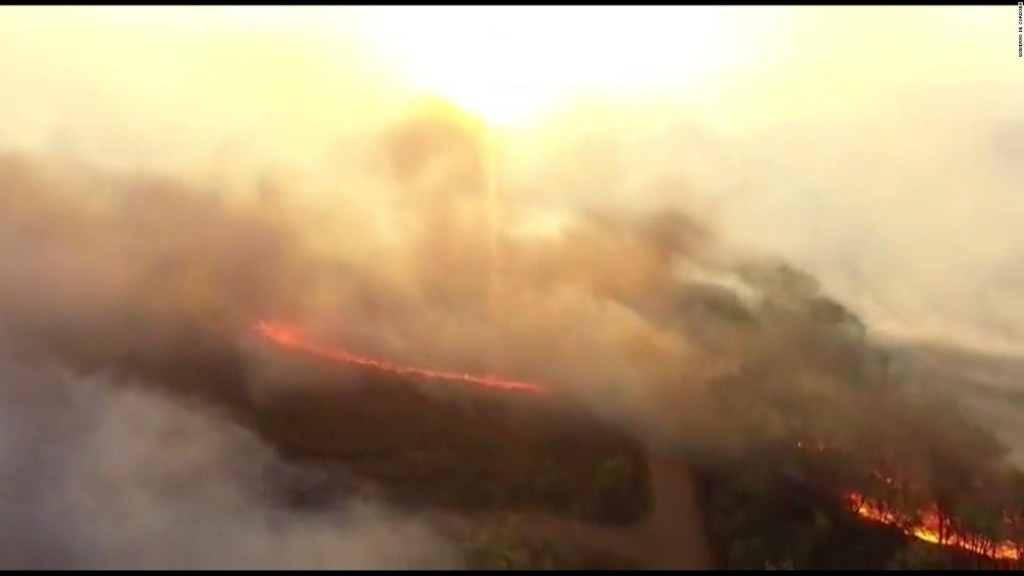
[672, 537]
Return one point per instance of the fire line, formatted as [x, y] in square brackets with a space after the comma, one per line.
[292, 339]
[928, 530]
[929, 526]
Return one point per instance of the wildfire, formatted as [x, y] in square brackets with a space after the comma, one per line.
[929, 529]
[293, 339]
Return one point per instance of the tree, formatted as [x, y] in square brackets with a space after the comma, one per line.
[1013, 513]
[978, 522]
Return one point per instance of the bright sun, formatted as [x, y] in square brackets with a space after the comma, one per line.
[506, 64]
[509, 64]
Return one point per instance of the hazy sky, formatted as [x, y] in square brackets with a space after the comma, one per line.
[880, 147]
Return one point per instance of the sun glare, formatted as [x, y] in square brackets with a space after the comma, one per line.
[510, 64]
[507, 65]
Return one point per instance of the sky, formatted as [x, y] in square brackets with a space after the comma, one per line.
[880, 148]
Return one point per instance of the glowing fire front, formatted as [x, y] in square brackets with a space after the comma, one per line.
[927, 525]
[929, 529]
[293, 339]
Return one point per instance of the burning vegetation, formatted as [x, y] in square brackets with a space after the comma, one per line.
[929, 476]
[292, 338]
[931, 525]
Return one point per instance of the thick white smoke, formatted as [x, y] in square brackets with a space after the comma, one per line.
[96, 474]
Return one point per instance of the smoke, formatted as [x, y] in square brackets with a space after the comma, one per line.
[635, 312]
[100, 475]
[638, 314]
[899, 201]
[145, 276]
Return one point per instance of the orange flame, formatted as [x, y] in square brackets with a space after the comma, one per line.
[290, 338]
[930, 526]
[929, 530]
